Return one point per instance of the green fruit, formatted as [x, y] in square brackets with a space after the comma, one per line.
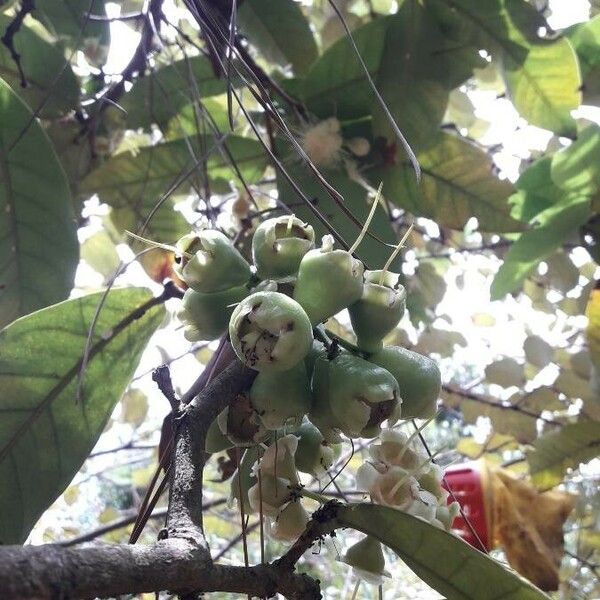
[418, 378]
[353, 395]
[379, 310]
[328, 281]
[278, 246]
[314, 455]
[367, 558]
[206, 316]
[214, 266]
[317, 349]
[281, 397]
[270, 332]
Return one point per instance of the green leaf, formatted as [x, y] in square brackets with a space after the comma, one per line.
[161, 94]
[544, 83]
[555, 452]
[190, 121]
[101, 254]
[45, 435]
[414, 95]
[280, 31]
[336, 83]
[506, 372]
[457, 183]
[557, 224]
[535, 191]
[576, 169]
[52, 88]
[372, 252]
[68, 20]
[538, 351]
[134, 183]
[38, 236]
[542, 77]
[585, 38]
[440, 559]
[545, 87]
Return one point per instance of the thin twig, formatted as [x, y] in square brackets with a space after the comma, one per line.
[27, 6]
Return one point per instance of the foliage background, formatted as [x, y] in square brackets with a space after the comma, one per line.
[497, 100]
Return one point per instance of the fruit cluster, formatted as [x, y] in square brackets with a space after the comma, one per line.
[311, 388]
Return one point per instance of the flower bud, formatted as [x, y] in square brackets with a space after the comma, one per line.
[358, 396]
[270, 332]
[397, 449]
[279, 245]
[274, 493]
[445, 515]
[281, 397]
[290, 522]
[206, 316]
[359, 146]
[418, 378]
[431, 481]
[379, 309]
[328, 281]
[367, 559]
[390, 486]
[314, 455]
[279, 459]
[215, 264]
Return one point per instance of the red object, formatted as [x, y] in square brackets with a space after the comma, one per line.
[467, 482]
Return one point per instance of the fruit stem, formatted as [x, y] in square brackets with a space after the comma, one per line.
[394, 254]
[314, 496]
[345, 343]
[290, 224]
[365, 228]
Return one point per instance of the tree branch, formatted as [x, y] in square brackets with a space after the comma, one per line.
[185, 494]
[7, 39]
[482, 400]
[49, 572]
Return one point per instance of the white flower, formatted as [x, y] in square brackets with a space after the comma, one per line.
[278, 460]
[274, 492]
[323, 142]
[404, 478]
[367, 560]
[396, 448]
[290, 522]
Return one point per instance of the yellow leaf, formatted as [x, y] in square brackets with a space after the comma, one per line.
[134, 407]
[71, 494]
[528, 525]
[108, 514]
[469, 447]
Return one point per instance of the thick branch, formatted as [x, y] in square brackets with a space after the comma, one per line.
[50, 572]
[185, 501]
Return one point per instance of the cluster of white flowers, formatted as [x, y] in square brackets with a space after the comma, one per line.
[286, 518]
[402, 476]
